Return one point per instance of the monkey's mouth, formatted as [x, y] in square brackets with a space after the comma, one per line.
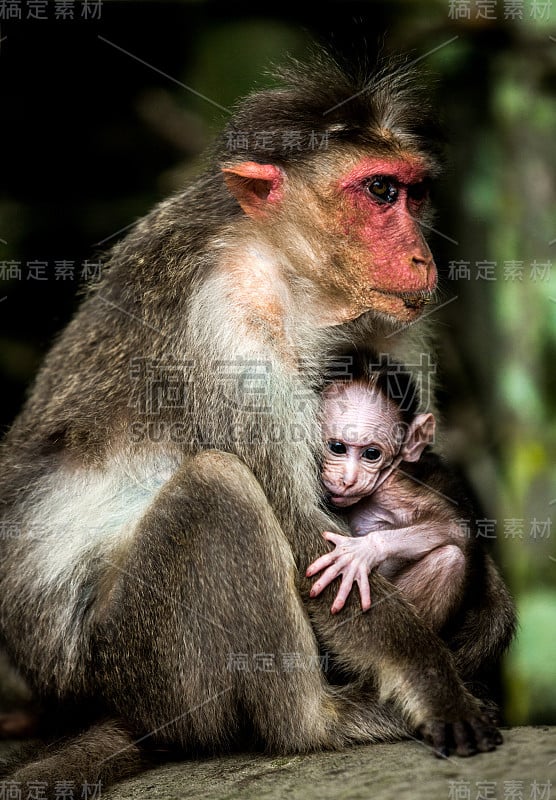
[402, 306]
[416, 300]
[336, 500]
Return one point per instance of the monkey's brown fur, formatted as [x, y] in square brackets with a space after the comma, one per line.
[149, 559]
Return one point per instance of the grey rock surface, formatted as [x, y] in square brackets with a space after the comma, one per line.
[521, 769]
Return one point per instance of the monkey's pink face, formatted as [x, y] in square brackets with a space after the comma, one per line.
[362, 433]
[357, 239]
[383, 202]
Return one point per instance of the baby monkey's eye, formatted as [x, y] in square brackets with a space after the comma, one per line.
[372, 454]
[338, 448]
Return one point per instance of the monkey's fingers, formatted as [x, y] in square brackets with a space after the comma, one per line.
[328, 558]
[476, 735]
[327, 577]
[466, 737]
[487, 735]
[434, 734]
[464, 740]
[343, 592]
[321, 563]
[364, 590]
[335, 538]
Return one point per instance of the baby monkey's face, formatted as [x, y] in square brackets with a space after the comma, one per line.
[363, 432]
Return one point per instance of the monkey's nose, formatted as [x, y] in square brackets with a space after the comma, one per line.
[424, 268]
[420, 261]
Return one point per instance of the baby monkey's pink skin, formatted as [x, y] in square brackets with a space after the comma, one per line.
[401, 528]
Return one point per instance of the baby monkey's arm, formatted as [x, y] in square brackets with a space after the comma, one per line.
[432, 583]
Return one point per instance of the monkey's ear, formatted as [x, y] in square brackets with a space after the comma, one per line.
[419, 435]
[255, 186]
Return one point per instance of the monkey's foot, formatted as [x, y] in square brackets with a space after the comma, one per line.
[476, 734]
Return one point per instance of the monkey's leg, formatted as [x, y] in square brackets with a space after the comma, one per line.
[202, 638]
[411, 665]
[434, 584]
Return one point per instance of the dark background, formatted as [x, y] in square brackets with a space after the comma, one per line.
[92, 138]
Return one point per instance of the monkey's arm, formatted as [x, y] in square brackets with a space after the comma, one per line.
[413, 542]
[355, 557]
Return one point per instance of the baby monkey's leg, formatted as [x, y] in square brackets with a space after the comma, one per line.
[434, 584]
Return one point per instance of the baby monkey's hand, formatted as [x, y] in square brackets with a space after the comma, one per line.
[353, 558]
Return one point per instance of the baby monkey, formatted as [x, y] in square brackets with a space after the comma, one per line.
[401, 503]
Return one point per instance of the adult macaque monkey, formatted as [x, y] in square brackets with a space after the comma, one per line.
[148, 476]
[409, 516]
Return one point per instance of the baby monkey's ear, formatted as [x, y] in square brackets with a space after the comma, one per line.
[420, 434]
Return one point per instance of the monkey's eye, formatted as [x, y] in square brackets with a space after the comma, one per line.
[383, 189]
[338, 448]
[372, 454]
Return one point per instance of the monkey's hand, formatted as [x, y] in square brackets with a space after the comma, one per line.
[353, 558]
